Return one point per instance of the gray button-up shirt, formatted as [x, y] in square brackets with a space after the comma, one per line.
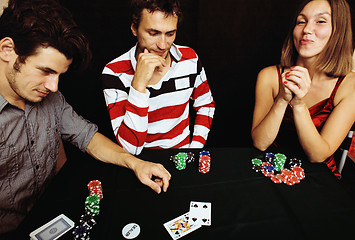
[29, 146]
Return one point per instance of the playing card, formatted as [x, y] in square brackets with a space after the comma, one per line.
[53, 229]
[180, 226]
[200, 213]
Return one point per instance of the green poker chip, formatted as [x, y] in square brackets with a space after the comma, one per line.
[256, 161]
[92, 204]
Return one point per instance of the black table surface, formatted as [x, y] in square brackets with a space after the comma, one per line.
[245, 204]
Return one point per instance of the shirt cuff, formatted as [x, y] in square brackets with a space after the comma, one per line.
[137, 98]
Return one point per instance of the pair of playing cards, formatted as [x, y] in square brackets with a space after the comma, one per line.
[199, 215]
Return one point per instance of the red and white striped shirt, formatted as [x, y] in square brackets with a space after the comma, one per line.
[159, 118]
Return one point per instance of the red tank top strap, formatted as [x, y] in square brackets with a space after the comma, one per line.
[340, 80]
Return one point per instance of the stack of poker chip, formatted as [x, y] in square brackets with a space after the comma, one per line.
[92, 204]
[95, 187]
[279, 161]
[181, 159]
[81, 232]
[92, 209]
[204, 162]
[274, 167]
[257, 164]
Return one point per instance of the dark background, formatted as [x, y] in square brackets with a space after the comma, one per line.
[235, 39]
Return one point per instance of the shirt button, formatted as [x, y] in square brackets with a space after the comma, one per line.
[32, 142]
[37, 166]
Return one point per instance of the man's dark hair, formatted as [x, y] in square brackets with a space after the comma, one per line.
[44, 23]
[169, 7]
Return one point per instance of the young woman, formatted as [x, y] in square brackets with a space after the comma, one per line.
[308, 101]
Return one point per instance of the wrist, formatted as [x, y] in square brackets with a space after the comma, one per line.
[281, 102]
[138, 86]
[297, 107]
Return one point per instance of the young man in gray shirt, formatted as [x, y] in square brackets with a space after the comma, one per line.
[39, 41]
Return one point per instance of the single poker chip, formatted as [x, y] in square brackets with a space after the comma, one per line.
[269, 168]
[286, 172]
[278, 178]
[295, 162]
[94, 184]
[256, 161]
[299, 172]
[292, 180]
[269, 157]
[205, 153]
[257, 168]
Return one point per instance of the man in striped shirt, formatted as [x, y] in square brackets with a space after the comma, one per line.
[148, 89]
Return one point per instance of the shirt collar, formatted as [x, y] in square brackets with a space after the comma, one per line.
[3, 103]
[174, 51]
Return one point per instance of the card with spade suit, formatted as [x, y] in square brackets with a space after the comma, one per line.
[200, 213]
[180, 226]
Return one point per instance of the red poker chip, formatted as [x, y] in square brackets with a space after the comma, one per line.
[94, 184]
[204, 164]
[277, 178]
[95, 187]
[292, 180]
[286, 172]
[299, 172]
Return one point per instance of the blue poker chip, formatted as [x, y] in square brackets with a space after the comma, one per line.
[205, 153]
[269, 157]
[269, 168]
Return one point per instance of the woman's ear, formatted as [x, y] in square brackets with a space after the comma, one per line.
[7, 49]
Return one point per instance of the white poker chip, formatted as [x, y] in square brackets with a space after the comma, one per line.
[131, 231]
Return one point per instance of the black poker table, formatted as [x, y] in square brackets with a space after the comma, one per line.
[245, 203]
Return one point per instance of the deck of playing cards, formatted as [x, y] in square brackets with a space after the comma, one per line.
[198, 215]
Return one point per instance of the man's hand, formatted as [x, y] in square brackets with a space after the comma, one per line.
[145, 171]
[147, 63]
[103, 149]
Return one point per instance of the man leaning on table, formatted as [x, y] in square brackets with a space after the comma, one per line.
[38, 42]
[148, 89]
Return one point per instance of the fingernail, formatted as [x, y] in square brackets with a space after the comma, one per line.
[285, 82]
[292, 67]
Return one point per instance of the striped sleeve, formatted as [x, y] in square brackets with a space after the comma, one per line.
[204, 106]
[128, 109]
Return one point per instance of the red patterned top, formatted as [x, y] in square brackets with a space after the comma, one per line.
[319, 113]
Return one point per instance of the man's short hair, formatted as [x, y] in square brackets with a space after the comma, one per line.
[169, 7]
[44, 23]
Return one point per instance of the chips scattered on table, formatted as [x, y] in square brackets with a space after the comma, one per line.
[274, 168]
[92, 209]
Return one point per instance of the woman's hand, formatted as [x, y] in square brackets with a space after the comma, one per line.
[298, 82]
